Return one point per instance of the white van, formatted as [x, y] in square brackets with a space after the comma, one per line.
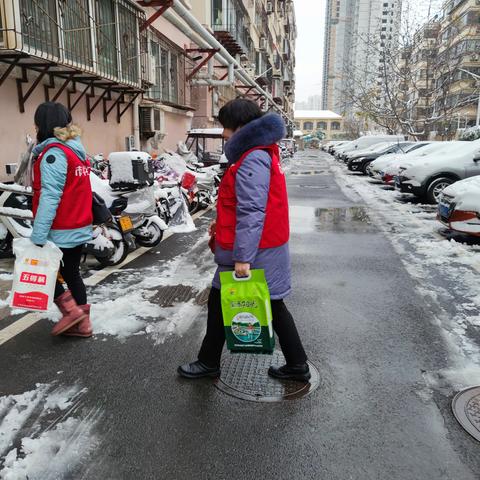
[367, 141]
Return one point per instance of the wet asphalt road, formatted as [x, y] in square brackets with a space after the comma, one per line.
[363, 325]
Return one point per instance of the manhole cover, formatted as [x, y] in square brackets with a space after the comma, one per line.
[170, 295]
[245, 376]
[466, 408]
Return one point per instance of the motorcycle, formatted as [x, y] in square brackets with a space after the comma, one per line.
[108, 245]
[139, 218]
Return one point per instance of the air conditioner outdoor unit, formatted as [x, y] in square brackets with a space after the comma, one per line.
[263, 43]
[276, 73]
[474, 57]
[152, 122]
[269, 7]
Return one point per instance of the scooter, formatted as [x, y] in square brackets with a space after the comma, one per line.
[108, 245]
[139, 218]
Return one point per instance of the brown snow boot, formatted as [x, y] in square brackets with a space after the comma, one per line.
[72, 313]
[83, 328]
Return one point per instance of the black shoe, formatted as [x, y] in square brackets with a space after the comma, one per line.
[197, 370]
[291, 372]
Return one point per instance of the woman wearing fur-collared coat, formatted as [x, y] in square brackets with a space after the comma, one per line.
[251, 231]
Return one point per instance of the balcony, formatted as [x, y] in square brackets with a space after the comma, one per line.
[230, 26]
[78, 40]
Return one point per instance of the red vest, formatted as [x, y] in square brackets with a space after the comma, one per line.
[75, 207]
[276, 229]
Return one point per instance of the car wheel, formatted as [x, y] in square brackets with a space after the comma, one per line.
[365, 168]
[436, 187]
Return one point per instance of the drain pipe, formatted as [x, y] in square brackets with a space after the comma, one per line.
[207, 40]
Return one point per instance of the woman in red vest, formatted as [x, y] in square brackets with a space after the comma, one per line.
[62, 209]
[251, 232]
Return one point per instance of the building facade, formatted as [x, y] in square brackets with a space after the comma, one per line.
[325, 121]
[356, 33]
[139, 74]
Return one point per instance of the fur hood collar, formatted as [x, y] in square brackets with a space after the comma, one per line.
[266, 130]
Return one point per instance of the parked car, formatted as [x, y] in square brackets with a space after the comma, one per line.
[332, 149]
[360, 163]
[385, 167]
[365, 151]
[459, 206]
[429, 176]
[366, 141]
[327, 146]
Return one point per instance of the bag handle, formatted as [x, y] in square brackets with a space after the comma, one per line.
[241, 279]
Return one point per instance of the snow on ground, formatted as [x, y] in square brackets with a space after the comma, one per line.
[58, 437]
[447, 272]
[125, 306]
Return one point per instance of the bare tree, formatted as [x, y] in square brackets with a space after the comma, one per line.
[415, 86]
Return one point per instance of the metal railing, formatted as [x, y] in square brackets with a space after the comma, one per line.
[232, 20]
[95, 36]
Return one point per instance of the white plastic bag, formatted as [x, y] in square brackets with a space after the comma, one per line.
[34, 275]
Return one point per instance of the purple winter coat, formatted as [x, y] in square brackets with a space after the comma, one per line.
[252, 185]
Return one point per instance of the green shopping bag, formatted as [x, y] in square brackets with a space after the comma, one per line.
[247, 312]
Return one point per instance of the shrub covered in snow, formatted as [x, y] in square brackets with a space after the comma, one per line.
[471, 134]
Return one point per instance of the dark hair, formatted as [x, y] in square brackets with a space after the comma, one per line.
[48, 116]
[237, 113]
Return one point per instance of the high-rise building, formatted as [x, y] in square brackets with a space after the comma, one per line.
[355, 34]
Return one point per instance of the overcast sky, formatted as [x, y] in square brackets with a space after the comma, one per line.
[309, 51]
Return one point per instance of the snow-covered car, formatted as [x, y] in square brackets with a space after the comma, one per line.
[329, 146]
[459, 206]
[332, 149]
[364, 142]
[359, 163]
[430, 175]
[365, 151]
[384, 168]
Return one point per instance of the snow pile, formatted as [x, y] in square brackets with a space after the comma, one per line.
[178, 320]
[126, 306]
[47, 453]
[16, 212]
[124, 315]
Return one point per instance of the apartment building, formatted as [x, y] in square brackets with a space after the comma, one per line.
[138, 74]
[442, 72]
[261, 34]
[458, 54]
[356, 33]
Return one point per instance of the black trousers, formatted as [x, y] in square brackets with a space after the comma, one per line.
[282, 322]
[70, 271]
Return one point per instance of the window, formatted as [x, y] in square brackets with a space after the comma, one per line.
[97, 36]
[322, 125]
[39, 29]
[128, 44]
[308, 125]
[106, 37]
[76, 31]
[335, 125]
[168, 68]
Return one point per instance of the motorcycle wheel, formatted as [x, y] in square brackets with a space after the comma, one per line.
[194, 207]
[118, 256]
[156, 236]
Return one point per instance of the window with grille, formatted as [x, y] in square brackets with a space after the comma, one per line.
[77, 40]
[40, 27]
[106, 36]
[97, 36]
[169, 69]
